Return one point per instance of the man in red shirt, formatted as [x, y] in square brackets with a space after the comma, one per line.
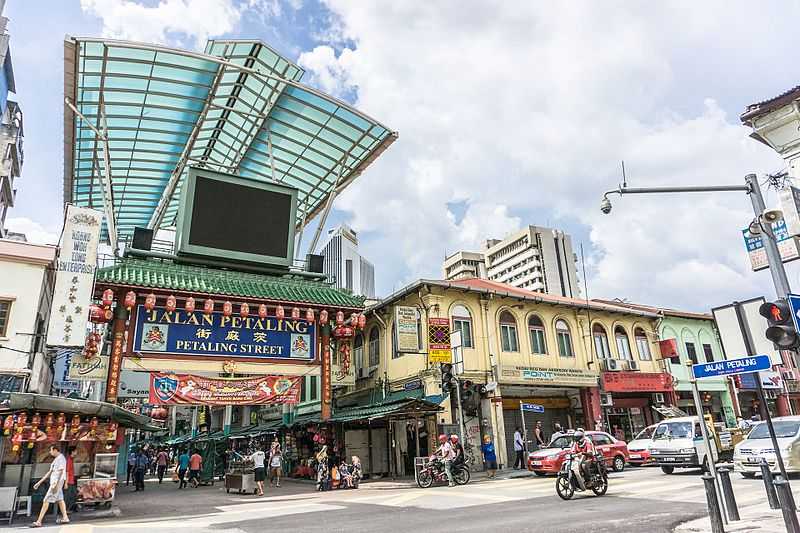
[584, 451]
[72, 488]
[195, 465]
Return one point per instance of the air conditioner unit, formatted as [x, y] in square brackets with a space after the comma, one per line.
[606, 400]
[362, 373]
[611, 365]
[633, 365]
[658, 397]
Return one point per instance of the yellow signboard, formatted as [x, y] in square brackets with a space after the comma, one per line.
[439, 341]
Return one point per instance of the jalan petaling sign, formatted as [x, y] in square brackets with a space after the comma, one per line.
[197, 334]
[742, 365]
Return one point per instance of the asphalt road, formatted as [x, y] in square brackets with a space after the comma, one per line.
[637, 500]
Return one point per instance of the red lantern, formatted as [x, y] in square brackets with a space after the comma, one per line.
[208, 306]
[339, 318]
[189, 305]
[295, 313]
[49, 420]
[280, 314]
[262, 311]
[8, 425]
[172, 303]
[362, 321]
[108, 297]
[353, 319]
[150, 302]
[323, 317]
[75, 425]
[244, 310]
[62, 421]
[112, 431]
[22, 418]
[130, 300]
[227, 309]
[16, 440]
[93, 426]
[309, 315]
[97, 315]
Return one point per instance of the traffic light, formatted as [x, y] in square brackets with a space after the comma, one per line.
[466, 390]
[448, 378]
[781, 330]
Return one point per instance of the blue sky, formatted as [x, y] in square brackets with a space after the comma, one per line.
[507, 114]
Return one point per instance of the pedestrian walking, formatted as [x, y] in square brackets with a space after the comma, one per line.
[71, 495]
[356, 470]
[183, 468]
[259, 471]
[55, 493]
[538, 434]
[140, 470]
[557, 431]
[275, 463]
[195, 466]
[489, 456]
[519, 449]
[161, 464]
[322, 469]
[131, 466]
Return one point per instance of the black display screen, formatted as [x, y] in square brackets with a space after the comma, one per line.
[234, 217]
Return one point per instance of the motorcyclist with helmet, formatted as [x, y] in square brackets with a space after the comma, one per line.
[458, 449]
[583, 451]
[447, 454]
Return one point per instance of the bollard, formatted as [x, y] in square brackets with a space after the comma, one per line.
[772, 496]
[713, 505]
[727, 491]
[787, 505]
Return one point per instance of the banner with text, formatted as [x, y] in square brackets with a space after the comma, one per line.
[187, 389]
[77, 260]
[439, 341]
[407, 329]
[180, 333]
[569, 377]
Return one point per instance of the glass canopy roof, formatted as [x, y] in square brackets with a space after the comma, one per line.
[138, 115]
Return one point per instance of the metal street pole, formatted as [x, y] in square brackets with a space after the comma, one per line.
[524, 431]
[460, 409]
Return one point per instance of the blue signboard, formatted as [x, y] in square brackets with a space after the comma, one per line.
[794, 303]
[753, 363]
[533, 407]
[162, 332]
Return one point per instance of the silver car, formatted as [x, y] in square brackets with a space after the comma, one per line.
[749, 453]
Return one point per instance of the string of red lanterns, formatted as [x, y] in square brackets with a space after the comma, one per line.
[29, 432]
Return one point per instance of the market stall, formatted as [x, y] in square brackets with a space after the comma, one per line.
[33, 422]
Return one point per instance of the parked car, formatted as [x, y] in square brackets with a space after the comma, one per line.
[747, 454]
[639, 447]
[548, 460]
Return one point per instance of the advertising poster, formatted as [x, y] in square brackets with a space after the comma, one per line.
[77, 261]
[187, 389]
[439, 341]
[160, 332]
[407, 328]
[83, 369]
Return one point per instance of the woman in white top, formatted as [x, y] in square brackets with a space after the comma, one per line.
[275, 463]
[55, 494]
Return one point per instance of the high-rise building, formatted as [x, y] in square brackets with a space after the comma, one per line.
[344, 265]
[10, 128]
[534, 258]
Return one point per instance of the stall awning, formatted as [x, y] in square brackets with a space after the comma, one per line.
[17, 401]
[409, 407]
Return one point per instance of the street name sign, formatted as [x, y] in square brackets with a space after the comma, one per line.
[742, 365]
[533, 407]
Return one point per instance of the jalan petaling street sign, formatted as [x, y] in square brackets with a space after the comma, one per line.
[742, 365]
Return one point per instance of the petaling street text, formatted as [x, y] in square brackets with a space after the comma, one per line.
[226, 347]
[162, 316]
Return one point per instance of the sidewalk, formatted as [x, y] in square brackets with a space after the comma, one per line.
[754, 518]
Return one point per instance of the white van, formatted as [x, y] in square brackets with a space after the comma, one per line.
[678, 443]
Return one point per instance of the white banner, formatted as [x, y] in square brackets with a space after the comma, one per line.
[134, 384]
[77, 260]
[82, 369]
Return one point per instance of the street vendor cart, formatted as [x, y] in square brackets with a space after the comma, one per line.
[240, 475]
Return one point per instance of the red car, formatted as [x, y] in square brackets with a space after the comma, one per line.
[548, 460]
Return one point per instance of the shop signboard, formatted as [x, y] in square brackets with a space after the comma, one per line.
[407, 328]
[636, 382]
[343, 375]
[174, 389]
[134, 384]
[77, 261]
[769, 380]
[160, 332]
[787, 246]
[439, 341]
[83, 369]
[534, 375]
[61, 380]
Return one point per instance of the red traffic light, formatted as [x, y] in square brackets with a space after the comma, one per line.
[777, 312]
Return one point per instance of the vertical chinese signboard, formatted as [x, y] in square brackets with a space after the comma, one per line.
[439, 341]
[77, 260]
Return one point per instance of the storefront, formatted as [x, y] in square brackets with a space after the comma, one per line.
[628, 400]
[749, 403]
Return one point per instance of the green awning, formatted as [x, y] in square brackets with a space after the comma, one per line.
[157, 274]
[406, 407]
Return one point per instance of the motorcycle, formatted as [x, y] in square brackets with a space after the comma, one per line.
[433, 471]
[567, 482]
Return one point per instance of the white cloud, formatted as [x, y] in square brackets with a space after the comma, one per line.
[34, 232]
[519, 108]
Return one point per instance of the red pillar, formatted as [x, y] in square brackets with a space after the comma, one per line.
[783, 405]
[117, 350]
[325, 381]
[590, 400]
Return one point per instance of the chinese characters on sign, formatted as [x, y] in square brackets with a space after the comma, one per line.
[787, 246]
[77, 260]
[636, 382]
[114, 367]
[180, 333]
[187, 389]
[439, 341]
[407, 329]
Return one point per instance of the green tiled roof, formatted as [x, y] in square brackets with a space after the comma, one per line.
[188, 278]
[407, 405]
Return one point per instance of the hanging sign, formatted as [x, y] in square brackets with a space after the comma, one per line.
[407, 328]
[172, 389]
[134, 384]
[439, 341]
[787, 246]
[83, 369]
[180, 333]
[77, 260]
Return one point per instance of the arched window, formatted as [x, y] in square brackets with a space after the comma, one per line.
[600, 342]
[462, 322]
[509, 342]
[536, 332]
[374, 347]
[358, 352]
[642, 345]
[623, 346]
[564, 339]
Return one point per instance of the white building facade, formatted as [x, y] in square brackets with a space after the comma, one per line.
[11, 133]
[344, 265]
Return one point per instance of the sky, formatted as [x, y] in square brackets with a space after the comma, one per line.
[508, 113]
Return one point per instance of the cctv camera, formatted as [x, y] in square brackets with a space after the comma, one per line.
[605, 205]
[772, 215]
